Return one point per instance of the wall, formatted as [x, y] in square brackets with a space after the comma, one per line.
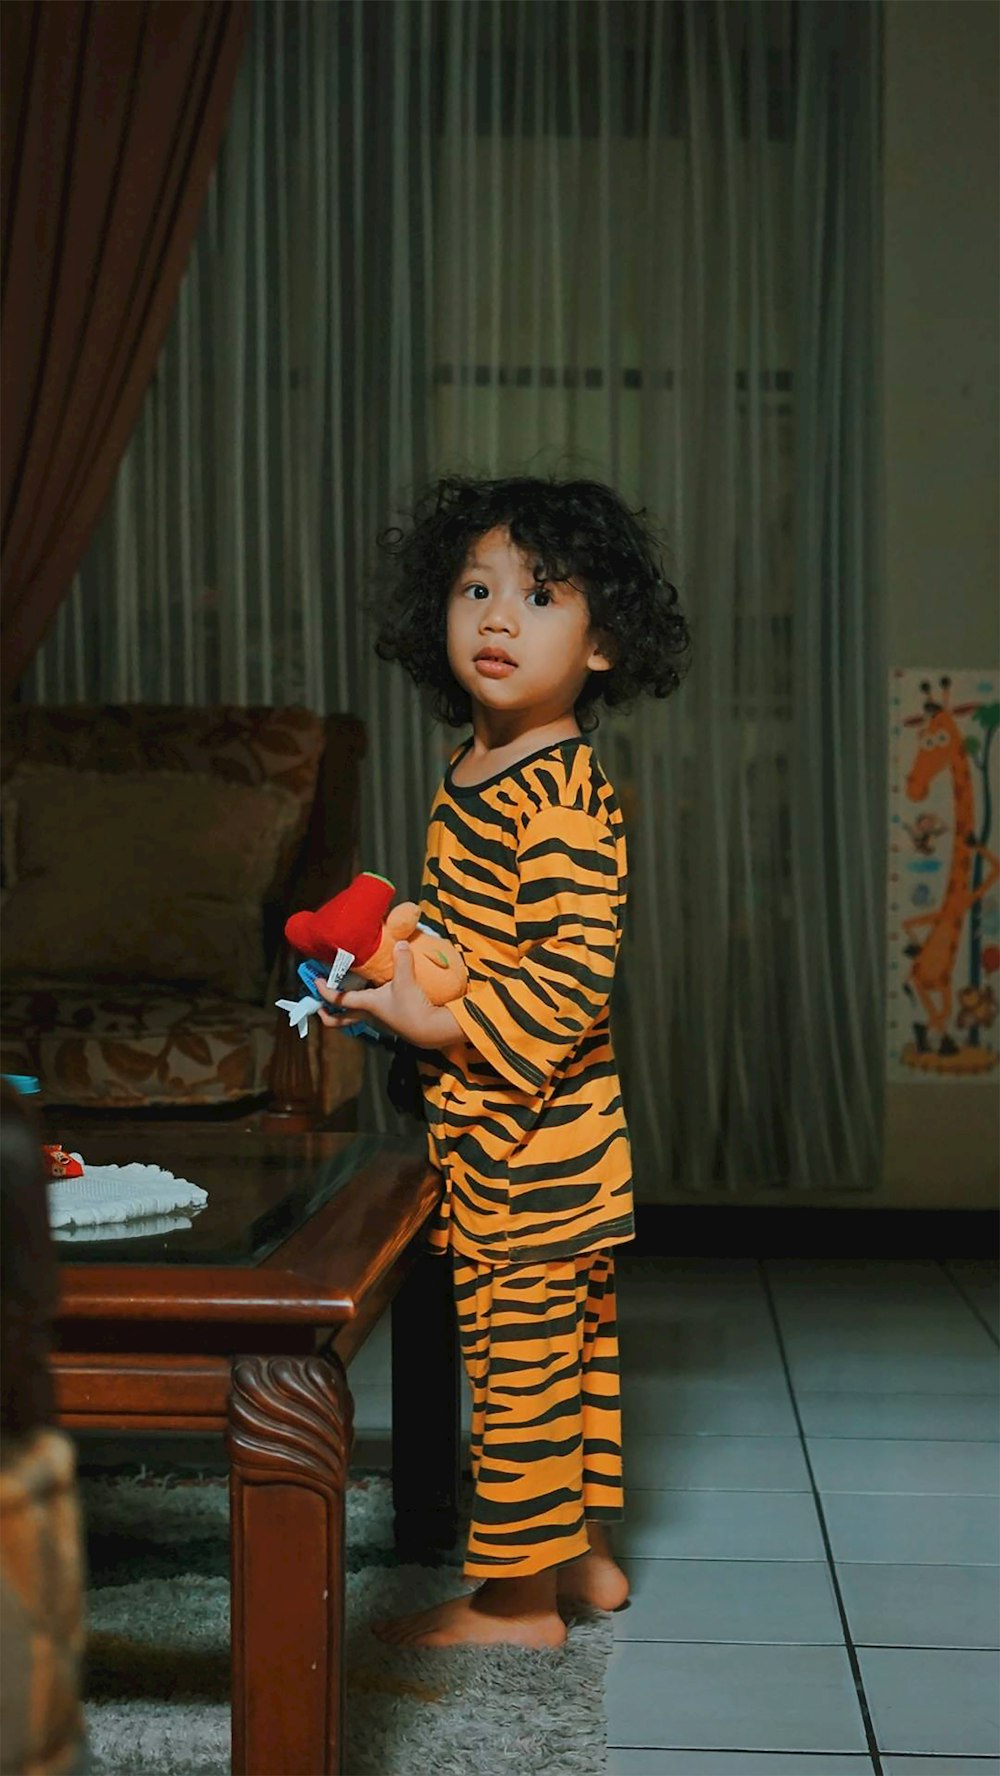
[940, 337]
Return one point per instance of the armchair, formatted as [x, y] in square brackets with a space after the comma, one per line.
[151, 856]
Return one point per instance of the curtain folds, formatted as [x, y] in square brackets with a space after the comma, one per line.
[112, 115]
[635, 240]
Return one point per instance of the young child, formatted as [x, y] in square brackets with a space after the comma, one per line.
[523, 603]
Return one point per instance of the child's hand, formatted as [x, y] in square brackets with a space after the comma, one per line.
[401, 1005]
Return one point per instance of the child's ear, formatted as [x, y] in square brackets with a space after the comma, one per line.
[602, 654]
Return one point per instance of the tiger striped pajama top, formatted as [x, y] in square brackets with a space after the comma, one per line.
[526, 873]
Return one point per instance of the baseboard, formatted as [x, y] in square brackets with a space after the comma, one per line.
[713, 1231]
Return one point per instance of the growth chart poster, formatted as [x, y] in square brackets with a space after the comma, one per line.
[944, 876]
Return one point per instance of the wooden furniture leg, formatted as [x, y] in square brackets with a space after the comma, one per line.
[288, 1437]
[426, 1416]
[295, 1101]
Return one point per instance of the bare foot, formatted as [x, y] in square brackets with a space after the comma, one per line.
[594, 1578]
[475, 1620]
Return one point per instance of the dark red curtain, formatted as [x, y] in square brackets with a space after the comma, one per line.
[113, 111]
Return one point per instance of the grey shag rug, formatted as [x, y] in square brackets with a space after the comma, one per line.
[158, 1652]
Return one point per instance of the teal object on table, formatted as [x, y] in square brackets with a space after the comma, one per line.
[25, 1083]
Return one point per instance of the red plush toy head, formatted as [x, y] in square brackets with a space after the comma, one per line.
[352, 921]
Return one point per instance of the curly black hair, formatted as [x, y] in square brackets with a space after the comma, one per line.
[575, 530]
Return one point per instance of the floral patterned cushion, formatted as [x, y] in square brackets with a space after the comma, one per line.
[252, 746]
[108, 1048]
[155, 874]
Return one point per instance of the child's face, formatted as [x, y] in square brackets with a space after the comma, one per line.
[496, 608]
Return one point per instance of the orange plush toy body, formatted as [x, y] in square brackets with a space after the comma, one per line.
[355, 932]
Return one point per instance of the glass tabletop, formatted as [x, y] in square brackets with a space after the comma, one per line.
[260, 1190]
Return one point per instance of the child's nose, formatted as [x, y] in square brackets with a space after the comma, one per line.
[499, 614]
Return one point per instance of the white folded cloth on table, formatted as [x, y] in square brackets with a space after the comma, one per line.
[116, 1193]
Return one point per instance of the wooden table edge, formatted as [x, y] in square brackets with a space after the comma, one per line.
[316, 1277]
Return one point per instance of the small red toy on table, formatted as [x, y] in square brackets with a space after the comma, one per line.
[59, 1163]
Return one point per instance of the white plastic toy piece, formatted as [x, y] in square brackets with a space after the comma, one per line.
[301, 1010]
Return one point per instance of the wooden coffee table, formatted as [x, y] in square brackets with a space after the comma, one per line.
[245, 1322]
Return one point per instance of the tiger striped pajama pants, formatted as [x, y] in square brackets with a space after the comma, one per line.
[540, 1347]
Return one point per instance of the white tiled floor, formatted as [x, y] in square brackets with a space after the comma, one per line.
[812, 1517]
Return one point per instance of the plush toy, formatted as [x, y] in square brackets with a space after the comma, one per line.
[356, 931]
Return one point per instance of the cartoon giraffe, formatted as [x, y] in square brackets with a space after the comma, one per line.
[940, 747]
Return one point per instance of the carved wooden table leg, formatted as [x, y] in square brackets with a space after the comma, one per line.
[289, 1441]
[426, 1417]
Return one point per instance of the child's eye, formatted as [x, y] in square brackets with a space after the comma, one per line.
[475, 588]
[540, 593]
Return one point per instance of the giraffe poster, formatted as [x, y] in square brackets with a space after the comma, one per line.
[944, 876]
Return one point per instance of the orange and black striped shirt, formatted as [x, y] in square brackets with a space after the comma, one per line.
[526, 873]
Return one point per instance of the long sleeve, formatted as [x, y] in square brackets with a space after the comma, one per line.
[526, 1022]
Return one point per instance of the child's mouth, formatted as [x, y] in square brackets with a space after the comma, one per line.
[490, 667]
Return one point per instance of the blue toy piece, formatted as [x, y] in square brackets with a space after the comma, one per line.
[24, 1083]
[310, 972]
[301, 1010]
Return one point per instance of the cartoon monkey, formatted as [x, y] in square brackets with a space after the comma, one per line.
[925, 831]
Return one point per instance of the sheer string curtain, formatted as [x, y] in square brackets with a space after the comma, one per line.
[632, 240]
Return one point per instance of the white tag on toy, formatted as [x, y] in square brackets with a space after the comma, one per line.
[301, 1010]
[340, 966]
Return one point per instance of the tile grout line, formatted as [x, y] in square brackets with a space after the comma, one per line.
[751, 1751]
[851, 1650]
[879, 1646]
[943, 1264]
